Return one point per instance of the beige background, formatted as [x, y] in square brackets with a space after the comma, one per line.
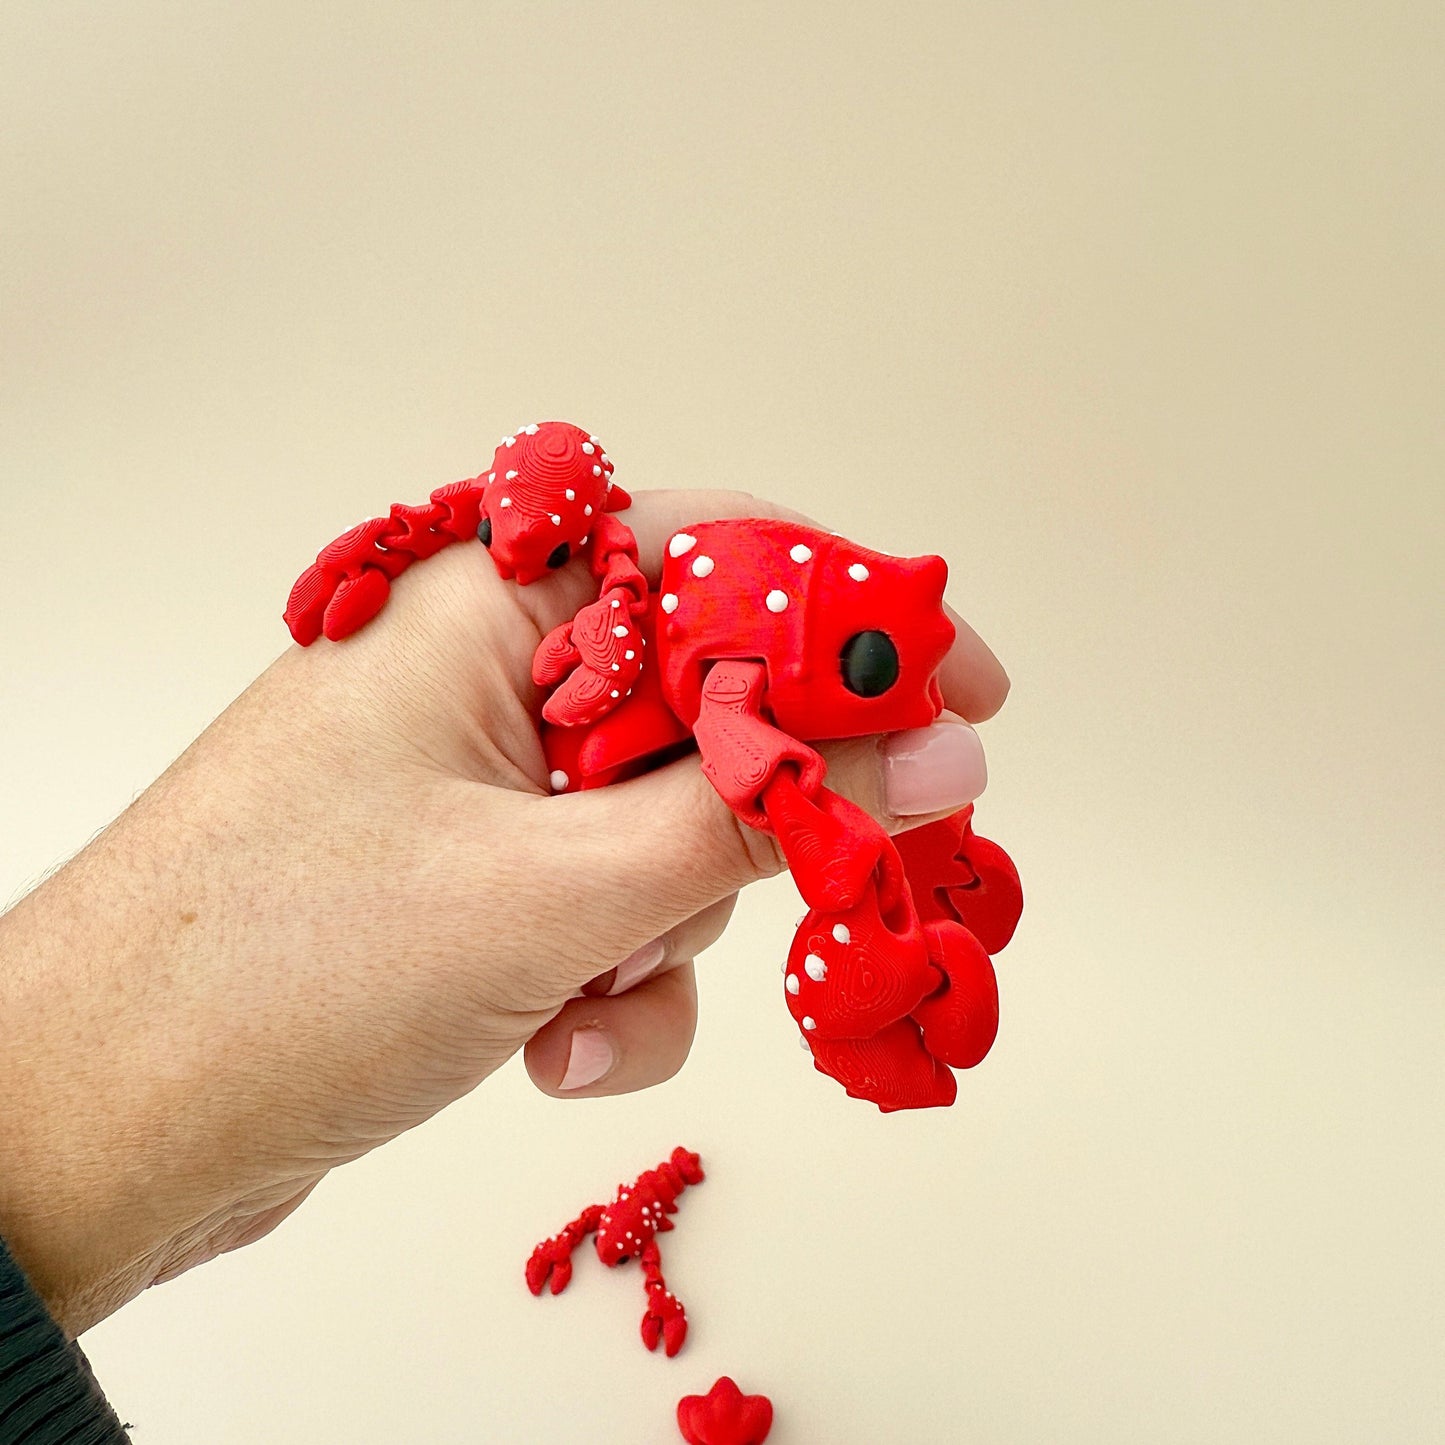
[1134, 311]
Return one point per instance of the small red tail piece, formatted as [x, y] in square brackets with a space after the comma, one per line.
[725, 1416]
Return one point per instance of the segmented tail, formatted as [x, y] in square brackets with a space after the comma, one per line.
[350, 580]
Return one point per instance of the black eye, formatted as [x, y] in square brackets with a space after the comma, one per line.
[870, 663]
[559, 555]
[623, 1258]
[484, 531]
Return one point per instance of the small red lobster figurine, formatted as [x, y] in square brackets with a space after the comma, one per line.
[764, 638]
[625, 1230]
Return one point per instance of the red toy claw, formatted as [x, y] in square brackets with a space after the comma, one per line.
[766, 638]
[725, 1416]
[625, 1230]
[547, 497]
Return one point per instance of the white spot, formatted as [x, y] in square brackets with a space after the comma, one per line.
[816, 969]
[619, 631]
[594, 441]
[629, 654]
[509, 441]
[858, 572]
[559, 780]
[669, 602]
[792, 984]
[571, 495]
[777, 600]
[586, 539]
[556, 520]
[840, 932]
[804, 1045]
[801, 553]
[615, 693]
[531, 430]
[587, 510]
[617, 667]
[510, 475]
[809, 1023]
[506, 501]
[606, 460]
[588, 448]
[681, 544]
[491, 476]
[596, 471]
[617, 602]
[702, 566]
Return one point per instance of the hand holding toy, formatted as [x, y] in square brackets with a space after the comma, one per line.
[765, 637]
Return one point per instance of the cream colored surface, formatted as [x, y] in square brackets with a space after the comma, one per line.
[1132, 311]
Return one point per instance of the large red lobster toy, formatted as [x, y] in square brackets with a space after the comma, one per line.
[764, 637]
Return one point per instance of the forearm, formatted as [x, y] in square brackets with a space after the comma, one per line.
[125, 1139]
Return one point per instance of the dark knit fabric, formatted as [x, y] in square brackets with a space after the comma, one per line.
[47, 1394]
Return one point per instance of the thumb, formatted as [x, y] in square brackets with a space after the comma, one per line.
[662, 847]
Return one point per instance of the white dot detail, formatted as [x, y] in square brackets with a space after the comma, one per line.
[588, 448]
[587, 510]
[619, 631]
[556, 520]
[559, 781]
[615, 693]
[777, 600]
[506, 501]
[702, 566]
[629, 654]
[809, 1022]
[571, 495]
[669, 602]
[681, 544]
[840, 932]
[792, 983]
[596, 470]
[815, 968]
[801, 553]
[858, 572]
[511, 475]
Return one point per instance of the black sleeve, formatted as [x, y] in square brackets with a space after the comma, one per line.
[47, 1394]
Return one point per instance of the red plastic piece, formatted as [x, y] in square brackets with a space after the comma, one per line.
[758, 627]
[764, 638]
[626, 1230]
[725, 1416]
[963, 878]
[548, 496]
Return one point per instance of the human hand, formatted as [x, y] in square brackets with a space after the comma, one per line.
[354, 898]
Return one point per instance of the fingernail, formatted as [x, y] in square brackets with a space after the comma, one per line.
[591, 1057]
[637, 965]
[930, 769]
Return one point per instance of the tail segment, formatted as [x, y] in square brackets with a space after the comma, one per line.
[350, 580]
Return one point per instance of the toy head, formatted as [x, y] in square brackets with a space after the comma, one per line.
[852, 638]
[628, 1225]
[544, 491]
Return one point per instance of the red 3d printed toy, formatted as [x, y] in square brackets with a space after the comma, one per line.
[764, 638]
[725, 1416]
[626, 1230]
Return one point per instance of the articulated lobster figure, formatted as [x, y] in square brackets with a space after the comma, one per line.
[764, 637]
[625, 1230]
